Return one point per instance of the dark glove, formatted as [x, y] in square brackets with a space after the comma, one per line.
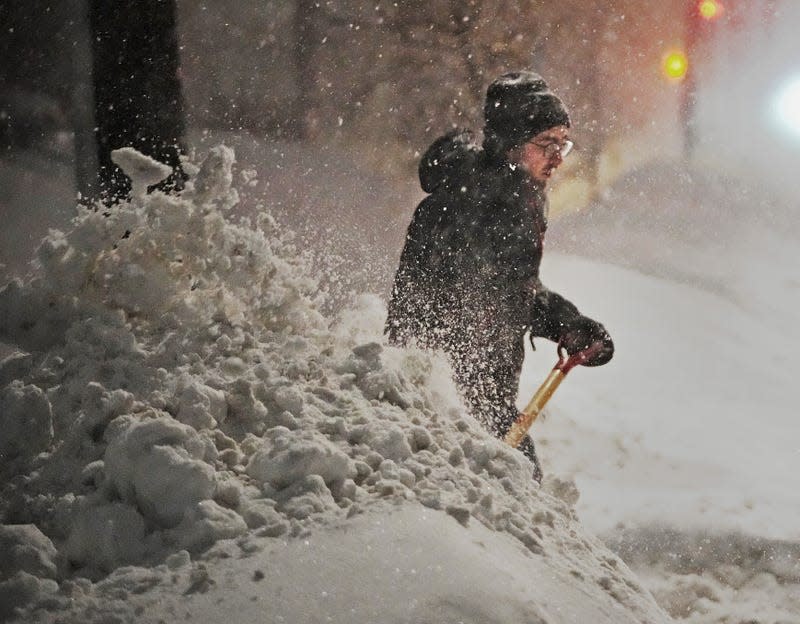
[581, 333]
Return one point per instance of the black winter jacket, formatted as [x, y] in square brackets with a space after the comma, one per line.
[471, 259]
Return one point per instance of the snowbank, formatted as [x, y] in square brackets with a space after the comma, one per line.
[190, 406]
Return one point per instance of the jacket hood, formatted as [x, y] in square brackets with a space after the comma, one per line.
[449, 162]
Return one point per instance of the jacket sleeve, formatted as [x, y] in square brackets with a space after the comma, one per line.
[550, 313]
[404, 309]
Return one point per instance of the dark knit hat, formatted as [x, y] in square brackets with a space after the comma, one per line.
[519, 105]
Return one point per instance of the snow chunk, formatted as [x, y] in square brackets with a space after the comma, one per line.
[305, 497]
[202, 407]
[141, 169]
[106, 537]
[385, 385]
[289, 399]
[286, 457]
[215, 178]
[15, 366]
[23, 589]
[26, 549]
[100, 406]
[261, 513]
[206, 523]
[155, 464]
[244, 407]
[387, 440]
[364, 358]
[26, 420]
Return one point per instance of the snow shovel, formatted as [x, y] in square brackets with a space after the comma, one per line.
[565, 364]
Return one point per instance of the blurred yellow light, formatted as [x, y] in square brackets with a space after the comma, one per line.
[675, 65]
[709, 9]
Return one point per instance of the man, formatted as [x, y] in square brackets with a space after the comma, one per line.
[468, 281]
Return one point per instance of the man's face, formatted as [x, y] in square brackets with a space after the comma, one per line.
[543, 153]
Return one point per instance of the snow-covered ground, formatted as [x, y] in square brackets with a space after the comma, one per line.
[203, 439]
[685, 448]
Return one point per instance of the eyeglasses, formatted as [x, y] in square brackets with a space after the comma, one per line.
[554, 147]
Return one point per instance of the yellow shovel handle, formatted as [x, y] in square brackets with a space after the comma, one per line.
[534, 407]
[565, 364]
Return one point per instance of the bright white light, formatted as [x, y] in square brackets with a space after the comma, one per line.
[788, 105]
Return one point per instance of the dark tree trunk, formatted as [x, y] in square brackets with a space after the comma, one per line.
[137, 90]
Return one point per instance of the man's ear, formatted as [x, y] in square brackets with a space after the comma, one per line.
[514, 154]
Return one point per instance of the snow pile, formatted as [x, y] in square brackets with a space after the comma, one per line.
[181, 401]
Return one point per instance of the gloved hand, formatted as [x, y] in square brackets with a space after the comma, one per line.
[582, 333]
